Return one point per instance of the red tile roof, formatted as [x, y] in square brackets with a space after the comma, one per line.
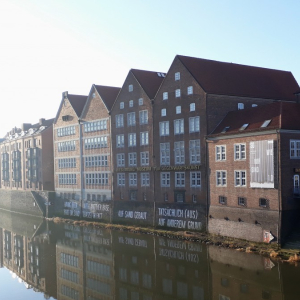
[108, 94]
[239, 80]
[77, 102]
[283, 115]
[149, 81]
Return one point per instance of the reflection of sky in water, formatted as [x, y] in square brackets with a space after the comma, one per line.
[13, 288]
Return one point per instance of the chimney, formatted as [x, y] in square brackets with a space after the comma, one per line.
[25, 126]
[41, 121]
[65, 95]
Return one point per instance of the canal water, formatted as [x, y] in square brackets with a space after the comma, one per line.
[42, 259]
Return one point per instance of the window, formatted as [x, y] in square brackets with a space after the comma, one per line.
[244, 126]
[131, 119]
[97, 142]
[166, 196]
[240, 178]
[66, 146]
[190, 90]
[67, 179]
[265, 123]
[263, 202]
[143, 117]
[121, 160]
[240, 106]
[145, 179]
[239, 151]
[130, 103]
[177, 76]
[121, 179]
[130, 88]
[179, 179]
[178, 110]
[295, 148]
[119, 121]
[179, 153]
[133, 197]
[163, 112]
[95, 126]
[177, 93]
[165, 154]
[179, 126]
[144, 158]
[121, 105]
[194, 198]
[164, 128]
[96, 178]
[222, 200]
[132, 159]
[179, 196]
[131, 139]
[144, 138]
[192, 107]
[220, 153]
[194, 124]
[195, 179]
[120, 140]
[241, 201]
[165, 179]
[221, 178]
[165, 96]
[194, 151]
[67, 163]
[132, 179]
[254, 105]
[141, 101]
[70, 130]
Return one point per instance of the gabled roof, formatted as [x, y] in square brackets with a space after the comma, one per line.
[239, 80]
[150, 81]
[282, 115]
[108, 94]
[77, 102]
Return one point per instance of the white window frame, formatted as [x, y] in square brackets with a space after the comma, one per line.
[177, 76]
[179, 179]
[141, 101]
[145, 179]
[143, 116]
[179, 126]
[195, 179]
[179, 153]
[240, 178]
[121, 179]
[165, 179]
[119, 120]
[144, 156]
[164, 154]
[131, 139]
[164, 128]
[192, 106]
[177, 93]
[241, 106]
[132, 159]
[132, 179]
[144, 138]
[240, 151]
[195, 151]
[120, 160]
[221, 178]
[130, 103]
[295, 149]
[120, 140]
[190, 90]
[221, 153]
[194, 124]
[121, 105]
[163, 112]
[165, 95]
[130, 88]
[131, 119]
[178, 109]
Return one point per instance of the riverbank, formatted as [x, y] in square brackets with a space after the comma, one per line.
[273, 251]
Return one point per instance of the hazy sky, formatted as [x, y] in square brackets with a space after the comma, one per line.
[52, 46]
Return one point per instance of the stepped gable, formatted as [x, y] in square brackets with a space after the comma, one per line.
[223, 78]
[77, 102]
[150, 81]
[283, 115]
[108, 94]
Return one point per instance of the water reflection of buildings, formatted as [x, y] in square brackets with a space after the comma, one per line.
[27, 252]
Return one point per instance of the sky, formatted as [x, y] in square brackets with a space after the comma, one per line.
[48, 47]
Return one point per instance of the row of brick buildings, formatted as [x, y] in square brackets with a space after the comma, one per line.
[169, 149]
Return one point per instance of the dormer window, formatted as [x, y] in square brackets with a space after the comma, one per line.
[177, 76]
[130, 88]
[265, 123]
[240, 106]
[254, 105]
[225, 129]
[65, 118]
[244, 126]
